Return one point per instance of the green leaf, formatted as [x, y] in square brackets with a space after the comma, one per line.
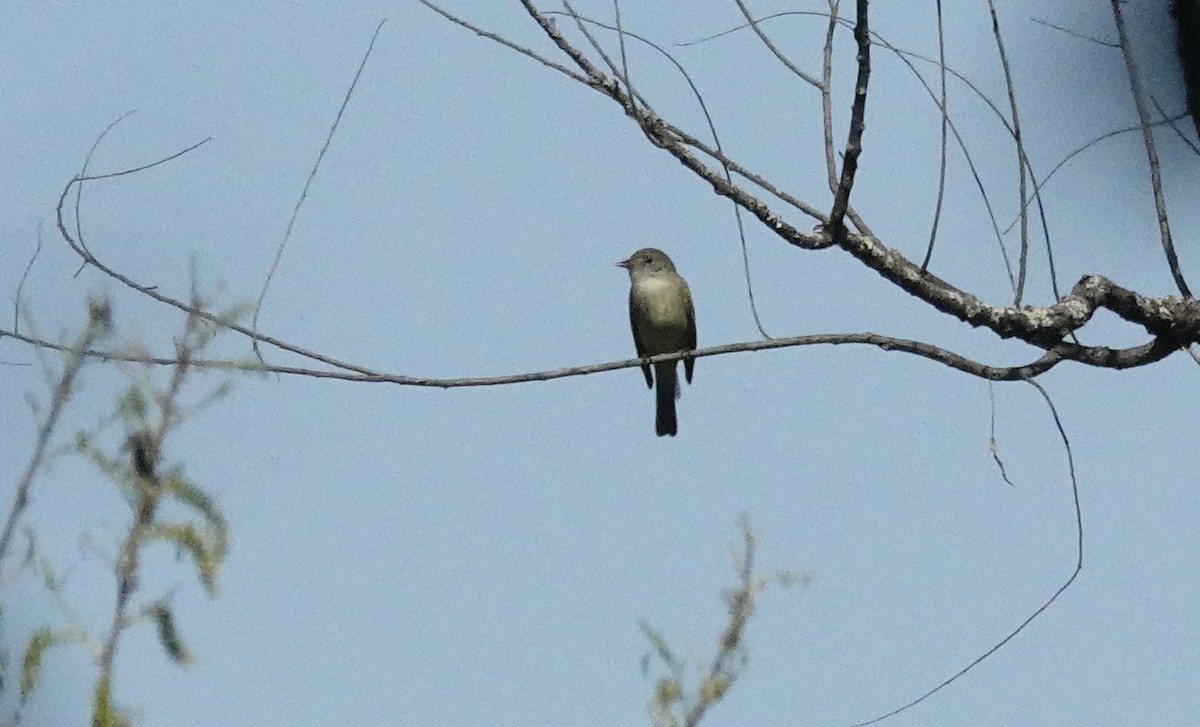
[668, 692]
[713, 689]
[42, 641]
[133, 404]
[661, 649]
[104, 714]
[168, 635]
[50, 577]
[234, 313]
[192, 539]
[195, 498]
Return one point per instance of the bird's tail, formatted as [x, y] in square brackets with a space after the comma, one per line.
[666, 391]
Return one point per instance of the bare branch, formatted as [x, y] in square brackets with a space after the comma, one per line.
[1139, 100]
[993, 445]
[944, 109]
[770, 45]
[674, 703]
[287, 233]
[150, 483]
[99, 320]
[827, 97]
[1125, 303]
[727, 665]
[1023, 264]
[1077, 34]
[21, 285]
[904, 56]
[87, 160]
[1170, 121]
[624, 75]
[505, 42]
[152, 291]
[1048, 602]
[841, 199]
[1045, 327]
[1041, 184]
[712, 128]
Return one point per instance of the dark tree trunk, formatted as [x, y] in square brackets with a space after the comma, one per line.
[1187, 21]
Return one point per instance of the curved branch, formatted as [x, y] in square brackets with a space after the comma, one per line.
[1100, 357]
[943, 107]
[1139, 100]
[152, 291]
[1177, 320]
[1173, 322]
[712, 130]
[1062, 433]
[770, 45]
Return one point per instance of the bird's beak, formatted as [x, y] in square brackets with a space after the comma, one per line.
[623, 264]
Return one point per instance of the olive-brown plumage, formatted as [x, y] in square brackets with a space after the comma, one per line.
[663, 320]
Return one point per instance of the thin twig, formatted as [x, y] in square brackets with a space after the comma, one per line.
[1170, 121]
[904, 55]
[21, 285]
[724, 670]
[1048, 602]
[1040, 184]
[505, 42]
[1023, 261]
[754, 178]
[831, 171]
[631, 108]
[993, 445]
[712, 129]
[1077, 34]
[944, 109]
[633, 95]
[1139, 100]
[87, 160]
[147, 447]
[770, 45]
[99, 319]
[312, 173]
[153, 292]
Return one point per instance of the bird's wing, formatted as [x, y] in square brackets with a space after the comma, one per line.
[690, 363]
[637, 342]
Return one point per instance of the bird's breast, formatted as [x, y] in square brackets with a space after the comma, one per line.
[661, 304]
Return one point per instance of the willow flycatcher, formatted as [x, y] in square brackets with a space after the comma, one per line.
[663, 321]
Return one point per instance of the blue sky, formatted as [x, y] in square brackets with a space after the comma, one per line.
[484, 556]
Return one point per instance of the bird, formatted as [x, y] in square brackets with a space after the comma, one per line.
[663, 320]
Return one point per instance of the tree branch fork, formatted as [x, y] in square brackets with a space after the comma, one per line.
[1173, 322]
